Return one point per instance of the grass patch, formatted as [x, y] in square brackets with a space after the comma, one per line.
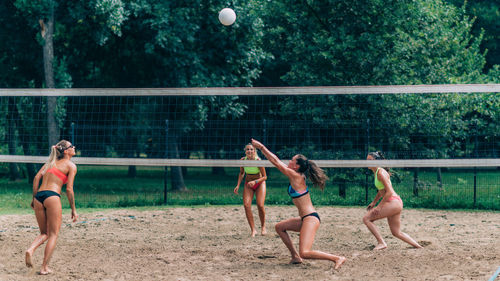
[110, 187]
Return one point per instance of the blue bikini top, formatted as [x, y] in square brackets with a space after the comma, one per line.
[294, 194]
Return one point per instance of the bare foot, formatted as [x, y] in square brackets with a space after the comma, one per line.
[45, 272]
[263, 231]
[254, 232]
[380, 247]
[297, 260]
[339, 263]
[28, 261]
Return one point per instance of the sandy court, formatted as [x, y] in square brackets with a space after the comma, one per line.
[213, 243]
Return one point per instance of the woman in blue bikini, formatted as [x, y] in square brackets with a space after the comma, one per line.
[308, 221]
[58, 170]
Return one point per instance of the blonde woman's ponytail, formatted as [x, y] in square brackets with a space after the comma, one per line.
[52, 158]
[56, 153]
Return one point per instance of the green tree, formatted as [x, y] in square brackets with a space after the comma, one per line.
[487, 21]
[373, 42]
[167, 44]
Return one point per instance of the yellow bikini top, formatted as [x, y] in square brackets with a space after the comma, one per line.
[378, 184]
[252, 170]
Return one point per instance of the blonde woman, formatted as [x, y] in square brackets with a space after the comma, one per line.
[46, 202]
[308, 221]
[255, 183]
[390, 206]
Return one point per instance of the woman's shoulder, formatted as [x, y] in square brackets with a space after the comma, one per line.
[70, 165]
[381, 172]
[295, 176]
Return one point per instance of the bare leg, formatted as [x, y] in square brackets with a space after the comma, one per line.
[247, 204]
[40, 239]
[54, 218]
[308, 231]
[261, 198]
[292, 224]
[383, 210]
[368, 220]
[395, 225]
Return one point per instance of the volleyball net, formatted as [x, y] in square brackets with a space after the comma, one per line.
[416, 126]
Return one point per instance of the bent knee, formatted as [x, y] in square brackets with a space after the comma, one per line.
[305, 254]
[367, 219]
[279, 228]
[397, 233]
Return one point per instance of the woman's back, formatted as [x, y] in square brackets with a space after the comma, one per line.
[55, 177]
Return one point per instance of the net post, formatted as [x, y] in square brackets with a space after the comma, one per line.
[165, 185]
[72, 132]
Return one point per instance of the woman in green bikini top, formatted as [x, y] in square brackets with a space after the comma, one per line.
[255, 183]
[390, 206]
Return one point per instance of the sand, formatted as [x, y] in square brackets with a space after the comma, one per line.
[214, 243]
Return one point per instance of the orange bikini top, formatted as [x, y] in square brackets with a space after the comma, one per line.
[58, 174]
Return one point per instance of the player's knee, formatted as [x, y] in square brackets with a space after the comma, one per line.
[366, 219]
[279, 228]
[396, 233]
[53, 233]
[247, 205]
[260, 206]
[305, 254]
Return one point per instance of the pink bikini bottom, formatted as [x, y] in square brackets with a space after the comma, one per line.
[396, 197]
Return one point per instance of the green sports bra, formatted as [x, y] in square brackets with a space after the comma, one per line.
[378, 184]
[252, 170]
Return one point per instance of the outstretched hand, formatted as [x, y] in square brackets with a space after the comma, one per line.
[257, 144]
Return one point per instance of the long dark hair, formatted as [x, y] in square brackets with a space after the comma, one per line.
[312, 171]
[378, 155]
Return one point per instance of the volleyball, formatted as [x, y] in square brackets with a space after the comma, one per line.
[227, 16]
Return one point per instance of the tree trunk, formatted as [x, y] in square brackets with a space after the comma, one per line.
[439, 177]
[415, 181]
[11, 138]
[47, 31]
[176, 172]
[24, 141]
[132, 172]
[342, 189]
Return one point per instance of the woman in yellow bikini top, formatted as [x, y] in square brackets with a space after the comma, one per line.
[255, 183]
[390, 206]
